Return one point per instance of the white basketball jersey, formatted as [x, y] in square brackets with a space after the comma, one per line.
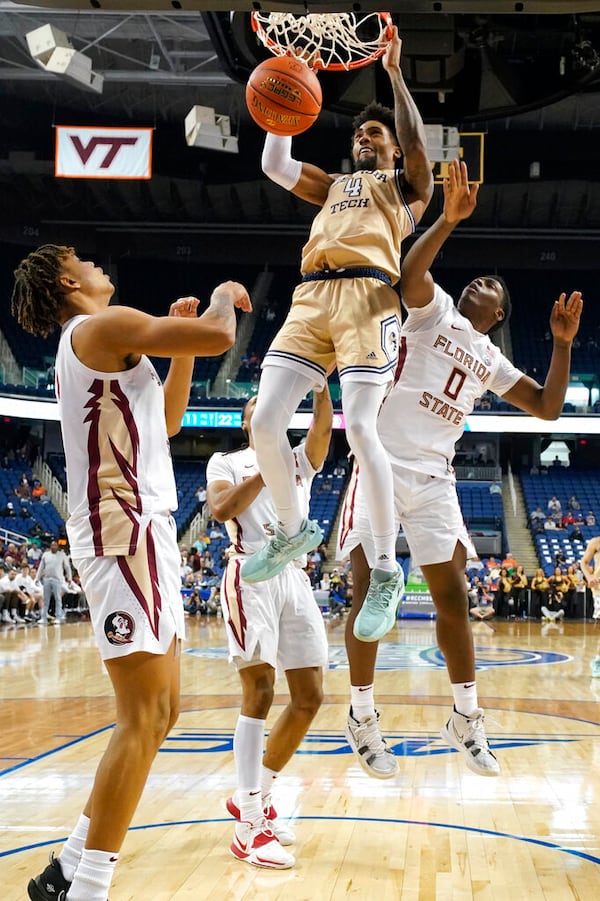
[249, 531]
[444, 364]
[119, 467]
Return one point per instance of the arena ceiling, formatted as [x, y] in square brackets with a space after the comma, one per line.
[527, 74]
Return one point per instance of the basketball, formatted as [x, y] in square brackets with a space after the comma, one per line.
[283, 95]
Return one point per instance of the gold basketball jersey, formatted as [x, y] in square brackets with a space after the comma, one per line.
[362, 223]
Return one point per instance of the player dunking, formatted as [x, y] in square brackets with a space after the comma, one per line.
[276, 622]
[446, 361]
[345, 311]
[116, 417]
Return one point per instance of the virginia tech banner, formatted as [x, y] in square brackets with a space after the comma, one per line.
[83, 152]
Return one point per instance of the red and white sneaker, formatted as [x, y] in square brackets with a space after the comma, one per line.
[284, 834]
[256, 844]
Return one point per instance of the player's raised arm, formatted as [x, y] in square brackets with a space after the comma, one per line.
[460, 199]
[126, 332]
[410, 132]
[546, 401]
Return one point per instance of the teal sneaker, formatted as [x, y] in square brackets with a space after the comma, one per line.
[378, 613]
[595, 667]
[280, 550]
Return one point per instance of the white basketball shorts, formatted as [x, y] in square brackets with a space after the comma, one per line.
[427, 509]
[276, 622]
[135, 602]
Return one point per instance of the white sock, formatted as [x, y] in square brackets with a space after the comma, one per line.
[93, 876]
[362, 700]
[267, 780]
[248, 742]
[72, 849]
[465, 697]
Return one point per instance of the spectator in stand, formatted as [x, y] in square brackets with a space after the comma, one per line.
[520, 584]
[554, 505]
[23, 489]
[537, 515]
[559, 558]
[568, 519]
[590, 519]
[550, 524]
[496, 488]
[509, 563]
[539, 592]
[38, 492]
[8, 510]
[573, 503]
[201, 496]
[576, 534]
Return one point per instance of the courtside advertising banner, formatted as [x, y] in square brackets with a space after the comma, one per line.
[83, 152]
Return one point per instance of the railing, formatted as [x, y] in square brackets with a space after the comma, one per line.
[478, 473]
[54, 489]
[7, 536]
[31, 377]
[511, 486]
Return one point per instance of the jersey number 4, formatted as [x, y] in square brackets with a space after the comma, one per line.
[353, 187]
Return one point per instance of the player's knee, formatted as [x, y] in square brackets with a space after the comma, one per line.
[264, 425]
[308, 701]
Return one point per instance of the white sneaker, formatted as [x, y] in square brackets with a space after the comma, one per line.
[256, 844]
[365, 739]
[467, 735]
[282, 831]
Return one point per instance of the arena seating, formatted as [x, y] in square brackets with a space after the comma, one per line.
[562, 483]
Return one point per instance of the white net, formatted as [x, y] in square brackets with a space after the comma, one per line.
[326, 40]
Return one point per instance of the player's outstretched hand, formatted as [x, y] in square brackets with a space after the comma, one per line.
[566, 316]
[238, 294]
[185, 307]
[391, 57]
[460, 198]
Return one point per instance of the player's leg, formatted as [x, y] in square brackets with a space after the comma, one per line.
[146, 690]
[362, 727]
[361, 402]
[464, 731]
[279, 394]
[306, 696]
[253, 841]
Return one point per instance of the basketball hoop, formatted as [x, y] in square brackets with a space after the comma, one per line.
[333, 41]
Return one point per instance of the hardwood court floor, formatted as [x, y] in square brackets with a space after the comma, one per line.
[436, 832]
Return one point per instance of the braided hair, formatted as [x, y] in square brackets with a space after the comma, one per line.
[379, 113]
[37, 295]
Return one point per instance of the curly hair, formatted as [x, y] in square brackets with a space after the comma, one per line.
[379, 113]
[36, 296]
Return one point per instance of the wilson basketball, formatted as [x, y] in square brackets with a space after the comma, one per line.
[283, 95]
